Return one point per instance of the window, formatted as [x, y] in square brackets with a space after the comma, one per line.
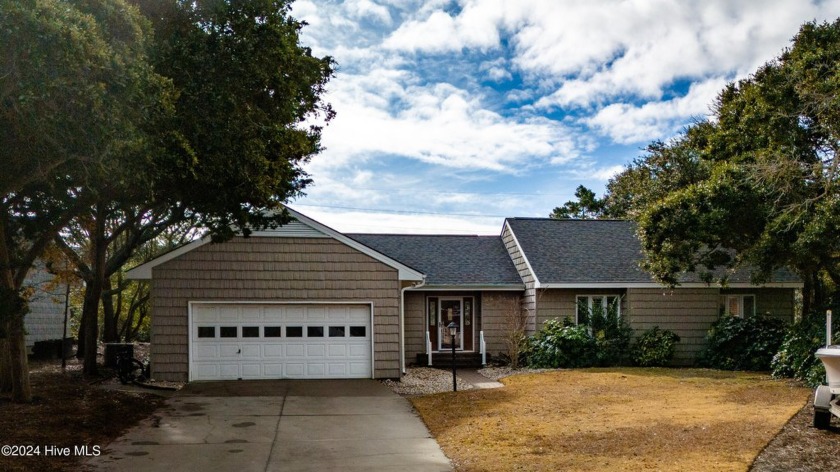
[314, 331]
[227, 332]
[358, 331]
[294, 331]
[272, 331]
[608, 306]
[206, 331]
[250, 331]
[737, 305]
[336, 331]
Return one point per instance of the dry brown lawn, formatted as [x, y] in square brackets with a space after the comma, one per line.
[616, 419]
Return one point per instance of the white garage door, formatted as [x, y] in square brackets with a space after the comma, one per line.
[275, 341]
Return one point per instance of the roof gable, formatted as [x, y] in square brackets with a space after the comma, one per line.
[301, 227]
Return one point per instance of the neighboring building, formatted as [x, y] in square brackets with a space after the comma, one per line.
[45, 320]
[305, 301]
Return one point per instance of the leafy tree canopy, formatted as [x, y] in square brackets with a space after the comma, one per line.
[588, 206]
[756, 185]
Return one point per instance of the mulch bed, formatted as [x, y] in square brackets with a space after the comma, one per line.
[68, 411]
[800, 446]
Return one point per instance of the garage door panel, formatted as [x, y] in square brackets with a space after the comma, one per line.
[229, 371]
[251, 351]
[205, 352]
[280, 341]
[337, 350]
[228, 351]
[316, 314]
[358, 315]
[205, 314]
[251, 313]
[357, 350]
[316, 350]
[358, 368]
[272, 350]
[228, 313]
[295, 350]
[252, 371]
[316, 369]
[273, 370]
[295, 370]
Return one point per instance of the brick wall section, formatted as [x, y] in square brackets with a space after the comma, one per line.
[271, 269]
[529, 301]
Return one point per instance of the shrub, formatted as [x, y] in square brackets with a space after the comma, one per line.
[559, 344]
[612, 336]
[795, 357]
[655, 347]
[735, 343]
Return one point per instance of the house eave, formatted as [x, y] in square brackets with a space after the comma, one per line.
[579, 285]
[470, 287]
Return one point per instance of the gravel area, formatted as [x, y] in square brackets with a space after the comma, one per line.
[496, 373]
[425, 381]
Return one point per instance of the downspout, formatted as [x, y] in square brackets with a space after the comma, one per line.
[402, 321]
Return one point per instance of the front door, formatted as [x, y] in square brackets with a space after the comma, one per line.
[451, 310]
[441, 311]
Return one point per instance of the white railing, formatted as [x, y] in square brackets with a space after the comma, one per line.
[429, 347]
[483, 347]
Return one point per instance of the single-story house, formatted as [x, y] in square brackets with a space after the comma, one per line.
[306, 301]
[45, 322]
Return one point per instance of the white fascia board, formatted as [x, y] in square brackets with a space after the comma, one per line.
[522, 251]
[405, 272]
[463, 288]
[144, 271]
[582, 285]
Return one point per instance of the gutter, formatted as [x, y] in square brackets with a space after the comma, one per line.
[402, 321]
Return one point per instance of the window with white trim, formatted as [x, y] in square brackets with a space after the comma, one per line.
[737, 305]
[587, 305]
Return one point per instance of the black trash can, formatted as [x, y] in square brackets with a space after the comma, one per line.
[113, 350]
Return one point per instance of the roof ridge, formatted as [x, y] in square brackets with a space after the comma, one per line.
[539, 218]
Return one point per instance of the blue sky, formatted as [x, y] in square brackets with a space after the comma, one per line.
[455, 114]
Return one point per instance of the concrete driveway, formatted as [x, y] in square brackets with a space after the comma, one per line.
[286, 425]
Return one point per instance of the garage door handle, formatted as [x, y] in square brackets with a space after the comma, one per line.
[239, 351]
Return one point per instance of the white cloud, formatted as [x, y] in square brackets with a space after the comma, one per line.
[628, 124]
[385, 112]
[496, 70]
[593, 51]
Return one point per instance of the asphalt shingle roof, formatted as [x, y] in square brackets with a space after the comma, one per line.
[592, 251]
[448, 260]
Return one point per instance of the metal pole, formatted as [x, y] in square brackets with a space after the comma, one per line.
[827, 328]
[64, 333]
[454, 379]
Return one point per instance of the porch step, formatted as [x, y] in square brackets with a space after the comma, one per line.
[444, 359]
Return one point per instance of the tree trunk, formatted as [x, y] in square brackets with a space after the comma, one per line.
[110, 333]
[807, 293]
[93, 291]
[5, 365]
[21, 388]
[80, 344]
